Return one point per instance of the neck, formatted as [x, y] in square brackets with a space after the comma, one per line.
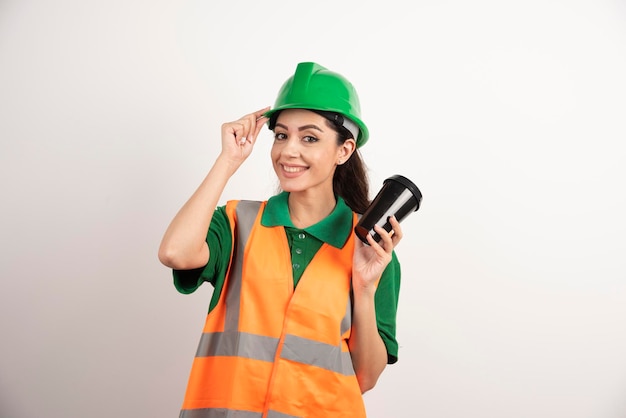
[308, 210]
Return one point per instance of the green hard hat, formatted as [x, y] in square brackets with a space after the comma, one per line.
[317, 88]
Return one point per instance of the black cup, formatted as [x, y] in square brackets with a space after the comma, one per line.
[398, 197]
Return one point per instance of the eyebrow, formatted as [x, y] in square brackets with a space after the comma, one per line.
[302, 128]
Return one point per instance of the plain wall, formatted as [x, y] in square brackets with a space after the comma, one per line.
[509, 116]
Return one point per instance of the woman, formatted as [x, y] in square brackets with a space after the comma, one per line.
[302, 318]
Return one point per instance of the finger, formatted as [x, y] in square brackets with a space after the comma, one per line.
[259, 125]
[387, 243]
[258, 121]
[248, 123]
[377, 246]
[232, 129]
[259, 113]
[397, 230]
[246, 128]
[239, 131]
[372, 242]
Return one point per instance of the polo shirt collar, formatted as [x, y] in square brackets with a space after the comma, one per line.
[334, 229]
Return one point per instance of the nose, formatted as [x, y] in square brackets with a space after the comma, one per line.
[291, 146]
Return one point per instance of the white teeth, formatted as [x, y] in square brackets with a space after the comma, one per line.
[292, 169]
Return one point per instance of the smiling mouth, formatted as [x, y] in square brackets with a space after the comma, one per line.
[293, 169]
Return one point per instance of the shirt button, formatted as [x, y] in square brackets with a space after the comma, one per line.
[298, 251]
[301, 235]
[296, 266]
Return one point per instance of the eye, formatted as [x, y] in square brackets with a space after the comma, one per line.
[279, 136]
[310, 139]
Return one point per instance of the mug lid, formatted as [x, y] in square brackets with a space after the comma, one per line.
[409, 185]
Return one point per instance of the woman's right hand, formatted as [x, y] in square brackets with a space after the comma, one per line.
[184, 246]
[239, 137]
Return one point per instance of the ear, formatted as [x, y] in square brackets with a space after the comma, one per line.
[345, 151]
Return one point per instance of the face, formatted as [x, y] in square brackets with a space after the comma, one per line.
[305, 152]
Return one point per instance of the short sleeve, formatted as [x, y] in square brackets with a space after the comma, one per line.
[219, 240]
[386, 301]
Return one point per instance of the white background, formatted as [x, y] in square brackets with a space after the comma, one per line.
[509, 116]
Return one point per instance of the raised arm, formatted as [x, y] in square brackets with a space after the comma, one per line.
[184, 243]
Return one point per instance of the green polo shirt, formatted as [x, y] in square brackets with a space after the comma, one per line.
[303, 243]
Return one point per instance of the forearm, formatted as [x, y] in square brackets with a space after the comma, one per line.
[369, 354]
[184, 243]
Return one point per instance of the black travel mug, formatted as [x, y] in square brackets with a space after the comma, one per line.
[398, 197]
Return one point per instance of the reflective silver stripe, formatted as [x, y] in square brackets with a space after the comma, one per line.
[229, 413]
[218, 413]
[259, 347]
[240, 344]
[315, 353]
[233, 343]
[246, 211]
[274, 414]
[346, 321]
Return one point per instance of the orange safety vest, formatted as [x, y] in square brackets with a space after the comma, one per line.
[267, 350]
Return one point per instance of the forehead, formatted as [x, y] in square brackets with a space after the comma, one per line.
[298, 117]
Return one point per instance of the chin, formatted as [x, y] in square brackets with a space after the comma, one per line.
[291, 186]
[290, 189]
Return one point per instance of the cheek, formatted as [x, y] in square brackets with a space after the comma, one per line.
[326, 160]
[274, 152]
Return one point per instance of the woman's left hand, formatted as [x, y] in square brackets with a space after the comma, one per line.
[369, 262]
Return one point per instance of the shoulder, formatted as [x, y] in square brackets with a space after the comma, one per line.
[236, 209]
